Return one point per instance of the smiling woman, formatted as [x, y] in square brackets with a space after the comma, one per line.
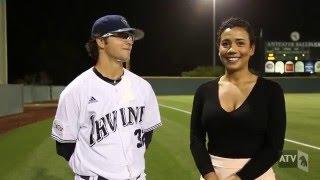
[245, 133]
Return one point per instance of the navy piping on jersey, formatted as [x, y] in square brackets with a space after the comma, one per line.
[110, 81]
[153, 127]
[62, 140]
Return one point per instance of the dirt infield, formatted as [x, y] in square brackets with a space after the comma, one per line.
[32, 113]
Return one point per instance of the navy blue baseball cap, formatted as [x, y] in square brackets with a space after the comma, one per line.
[112, 24]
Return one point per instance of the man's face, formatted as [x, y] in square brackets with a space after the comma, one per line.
[118, 46]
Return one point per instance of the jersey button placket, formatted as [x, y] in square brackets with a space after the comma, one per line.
[124, 152]
[117, 98]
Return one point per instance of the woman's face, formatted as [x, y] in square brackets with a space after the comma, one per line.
[235, 49]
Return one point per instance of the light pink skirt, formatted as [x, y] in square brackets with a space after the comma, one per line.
[225, 167]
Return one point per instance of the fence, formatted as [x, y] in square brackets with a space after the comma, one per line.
[14, 96]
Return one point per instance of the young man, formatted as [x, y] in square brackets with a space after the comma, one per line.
[105, 117]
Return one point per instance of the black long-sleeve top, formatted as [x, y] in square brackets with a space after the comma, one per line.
[255, 130]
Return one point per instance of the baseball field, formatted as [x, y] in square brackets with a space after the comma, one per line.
[28, 152]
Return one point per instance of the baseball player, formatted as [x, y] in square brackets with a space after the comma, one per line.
[105, 117]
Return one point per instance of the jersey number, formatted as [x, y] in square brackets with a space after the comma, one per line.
[141, 138]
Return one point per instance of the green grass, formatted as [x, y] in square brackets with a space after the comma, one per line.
[303, 125]
[28, 153]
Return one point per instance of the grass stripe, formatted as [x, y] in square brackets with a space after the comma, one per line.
[288, 140]
[302, 144]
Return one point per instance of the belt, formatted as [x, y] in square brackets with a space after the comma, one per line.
[101, 178]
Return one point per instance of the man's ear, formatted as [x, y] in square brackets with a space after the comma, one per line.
[100, 43]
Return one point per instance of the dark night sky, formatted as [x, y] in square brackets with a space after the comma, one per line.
[50, 35]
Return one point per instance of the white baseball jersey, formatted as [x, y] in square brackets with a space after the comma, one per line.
[107, 122]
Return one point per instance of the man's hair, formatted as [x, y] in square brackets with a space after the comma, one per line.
[92, 49]
[236, 22]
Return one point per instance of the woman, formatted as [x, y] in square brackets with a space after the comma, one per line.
[242, 114]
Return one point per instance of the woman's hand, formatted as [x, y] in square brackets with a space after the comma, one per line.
[211, 176]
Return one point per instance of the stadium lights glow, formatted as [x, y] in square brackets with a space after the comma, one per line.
[214, 32]
[271, 58]
[284, 54]
[296, 58]
[271, 54]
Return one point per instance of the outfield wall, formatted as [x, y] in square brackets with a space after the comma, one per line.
[14, 96]
[11, 99]
[36, 93]
[41, 93]
[184, 85]
[56, 91]
[178, 85]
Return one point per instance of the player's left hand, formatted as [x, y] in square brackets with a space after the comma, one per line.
[233, 177]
